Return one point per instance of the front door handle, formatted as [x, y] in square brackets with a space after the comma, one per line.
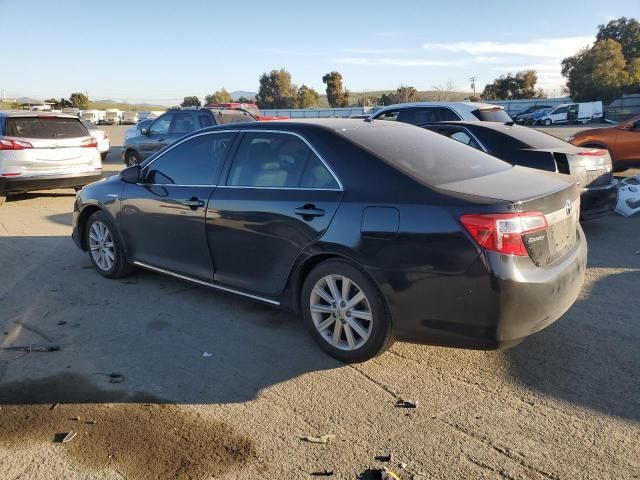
[193, 203]
[309, 210]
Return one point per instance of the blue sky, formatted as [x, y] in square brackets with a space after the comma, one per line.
[161, 51]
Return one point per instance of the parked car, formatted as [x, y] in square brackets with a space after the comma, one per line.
[252, 108]
[174, 124]
[427, 112]
[622, 141]
[530, 148]
[526, 115]
[572, 113]
[113, 116]
[41, 151]
[101, 137]
[129, 118]
[135, 130]
[370, 230]
[94, 116]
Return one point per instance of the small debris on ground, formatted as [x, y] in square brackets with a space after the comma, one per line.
[62, 322]
[387, 474]
[65, 437]
[321, 439]
[113, 377]
[402, 403]
[45, 314]
[75, 419]
[207, 354]
[91, 422]
[54, 406]
[324, 473]
[385, 458]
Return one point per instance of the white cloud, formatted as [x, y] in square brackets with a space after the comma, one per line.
[395, 62]
[546, 47]
[373, 51]
[538, 67]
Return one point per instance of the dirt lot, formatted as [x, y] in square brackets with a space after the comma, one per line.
[563, 405]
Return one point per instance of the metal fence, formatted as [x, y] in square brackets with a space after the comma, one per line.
[314, 112]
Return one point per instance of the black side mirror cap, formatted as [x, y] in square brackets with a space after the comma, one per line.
[131, 174]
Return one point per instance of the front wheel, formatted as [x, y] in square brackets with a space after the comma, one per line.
[345, 312]
[104, 246]
[547, 122]
[131, 158]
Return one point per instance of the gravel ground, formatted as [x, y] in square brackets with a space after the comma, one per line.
[565, 404]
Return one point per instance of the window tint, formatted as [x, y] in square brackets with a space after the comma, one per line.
[497, 141]
[316, 175]
[205, 121]
[523, 137]
[493, 114]
[460, 136]
[269, 160]
[194, 162]
[390, 115]
[422, 115]
[45, 127]
[161, 125]
[182, 123]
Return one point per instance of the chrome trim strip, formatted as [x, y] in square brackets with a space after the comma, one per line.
[202, 282]
[283, 188]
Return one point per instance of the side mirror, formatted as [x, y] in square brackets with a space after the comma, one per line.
[131, 174]
[144, 131]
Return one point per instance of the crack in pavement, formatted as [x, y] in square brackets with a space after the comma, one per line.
[485, 466]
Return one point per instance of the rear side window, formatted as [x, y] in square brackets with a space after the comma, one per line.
[205, 120]
[45, 127]
[419, 116]
[182, 123]
[194, 162]
[491, 115]
[232, 116]
[278, 160]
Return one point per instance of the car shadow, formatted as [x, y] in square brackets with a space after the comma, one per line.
[60, 218]
[168, 340]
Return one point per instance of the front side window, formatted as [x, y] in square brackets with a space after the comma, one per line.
[277, 160]
[390, 115]
[182, 123]
[196, 161]
[161, 125]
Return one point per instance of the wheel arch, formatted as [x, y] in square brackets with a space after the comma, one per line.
[82, 223]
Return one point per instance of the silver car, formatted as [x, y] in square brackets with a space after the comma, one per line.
[43, 150]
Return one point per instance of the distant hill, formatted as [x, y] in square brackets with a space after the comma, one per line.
[236, 94]
[138, 107]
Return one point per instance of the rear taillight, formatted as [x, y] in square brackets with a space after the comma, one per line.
[14, 145]
[89, 142]
[502, 232]
[592, 153]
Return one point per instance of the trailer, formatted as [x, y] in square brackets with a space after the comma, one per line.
[113, 116]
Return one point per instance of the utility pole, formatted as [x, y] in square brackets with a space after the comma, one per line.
[473, 84]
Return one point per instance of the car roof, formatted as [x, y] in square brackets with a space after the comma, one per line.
[469, 106]
[34, 113]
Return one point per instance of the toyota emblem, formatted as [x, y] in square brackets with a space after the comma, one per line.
[567, 207]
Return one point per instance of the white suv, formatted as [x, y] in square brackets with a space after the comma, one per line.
[43, 150]
[420, 113]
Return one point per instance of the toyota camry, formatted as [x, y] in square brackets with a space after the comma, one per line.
[370, 230]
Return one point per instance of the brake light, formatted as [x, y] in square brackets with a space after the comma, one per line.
[592, 153]
[14, 145]
[502, 232]
[89, 143]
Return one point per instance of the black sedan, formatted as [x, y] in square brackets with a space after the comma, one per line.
[370, 230]
[591, 167]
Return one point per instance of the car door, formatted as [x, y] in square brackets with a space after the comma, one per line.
[278, 197]
[627, 142]
[163, 216]
[559, 115]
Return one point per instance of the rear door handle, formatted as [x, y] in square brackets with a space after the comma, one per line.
[193, 203]
[309, 211]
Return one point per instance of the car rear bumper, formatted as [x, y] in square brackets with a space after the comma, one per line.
[598, 201]
[497, 303]
[28, 183]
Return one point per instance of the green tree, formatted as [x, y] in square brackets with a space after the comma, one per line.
[513, 87]
[220, 96]
[15, 106]
[624, 31]
[79, 100]
[337, 95]
[276, 90]
[246, 100]
[192, 101]
[307, 97]
[597, 73]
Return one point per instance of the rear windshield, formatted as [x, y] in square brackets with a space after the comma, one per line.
[491, 115]
[532, 138]
[426, 156]
[45, 127]
[232, 116]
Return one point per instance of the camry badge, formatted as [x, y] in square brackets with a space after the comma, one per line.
[567, 207]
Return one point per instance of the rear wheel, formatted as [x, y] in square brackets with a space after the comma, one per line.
[131, 158]
[104, 246]
[547, 122]
[345, 312]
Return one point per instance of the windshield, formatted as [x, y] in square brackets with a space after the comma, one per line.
[495, 114]
[45, 127]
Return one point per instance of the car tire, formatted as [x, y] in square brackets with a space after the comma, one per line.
[331, 287]
[105, 247]
[547, 122]
[131, 158]
[103, 155]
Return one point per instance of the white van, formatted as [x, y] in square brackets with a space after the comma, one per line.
[92, 116]
[572, 113]
[130, 118]
[113, 116]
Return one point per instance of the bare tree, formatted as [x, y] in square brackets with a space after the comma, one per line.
[444, 92]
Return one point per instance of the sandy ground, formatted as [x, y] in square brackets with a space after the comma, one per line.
[565, 404]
